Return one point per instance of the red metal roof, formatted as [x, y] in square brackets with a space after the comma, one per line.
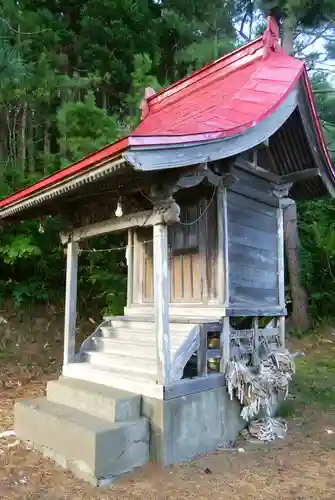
[223, 99]
[226, 98]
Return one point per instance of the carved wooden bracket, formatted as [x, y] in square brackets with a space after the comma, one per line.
[204, 174]
[281, 190]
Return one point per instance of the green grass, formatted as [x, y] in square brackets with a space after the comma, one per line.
[286, 409]
[313, 384]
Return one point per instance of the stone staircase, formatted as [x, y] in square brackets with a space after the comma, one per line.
[93, 430]
[127, 347]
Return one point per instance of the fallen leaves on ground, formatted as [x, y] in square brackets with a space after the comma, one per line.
[301, 467]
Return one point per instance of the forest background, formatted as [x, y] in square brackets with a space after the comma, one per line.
[72, 75]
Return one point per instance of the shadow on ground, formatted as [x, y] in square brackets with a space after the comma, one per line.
[300, 467]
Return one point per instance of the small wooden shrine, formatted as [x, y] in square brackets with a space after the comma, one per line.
[200, 187]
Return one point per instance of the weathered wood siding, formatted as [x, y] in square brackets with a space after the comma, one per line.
[252, 246]
[192, 257]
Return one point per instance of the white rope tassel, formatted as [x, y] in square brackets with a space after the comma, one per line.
[256, 391]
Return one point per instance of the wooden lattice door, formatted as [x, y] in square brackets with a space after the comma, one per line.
[186, 276]
[192, 257]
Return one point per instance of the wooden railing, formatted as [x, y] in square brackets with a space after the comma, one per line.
[244, 342]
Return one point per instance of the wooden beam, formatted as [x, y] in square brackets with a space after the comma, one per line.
[255, 169]
[140, 219]
[194, 385]
[161, 297]
[236, 311]
[303, 175]
[245, 190]
[70, 302]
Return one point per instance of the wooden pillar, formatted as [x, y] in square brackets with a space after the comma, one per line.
[130, 267]
[281, 326]
[202, 353]
[255, 354]
[225, 343]
[226, 247]
[161, 297]
[281, 271]
[281, 256]
[70, 302]
[222, 260]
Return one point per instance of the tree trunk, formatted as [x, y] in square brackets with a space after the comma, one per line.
[46, 157]
[3, 149]
[104, 100]
[30, 143]
[288, 35]
[300, 317]
[23, 147]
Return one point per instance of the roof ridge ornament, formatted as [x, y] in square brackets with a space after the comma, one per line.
[144, 106]
[271, 37]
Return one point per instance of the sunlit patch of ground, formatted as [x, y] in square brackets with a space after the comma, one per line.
[300, 467]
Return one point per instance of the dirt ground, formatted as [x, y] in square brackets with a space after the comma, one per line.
[300, 467]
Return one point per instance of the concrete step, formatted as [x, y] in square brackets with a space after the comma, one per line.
[123, 364]
[95, 399]
[133, 325]
[127, 333]
[146, 326]
[130, 347]
[138, 383]
[92, 448]
[139, 336]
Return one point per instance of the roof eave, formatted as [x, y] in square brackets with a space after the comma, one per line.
[108, 153]
[49, 193]
[314, 134]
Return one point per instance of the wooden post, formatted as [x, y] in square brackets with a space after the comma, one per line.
[281, 256]
[202, 353]
[281, 271]
[70, 302]
[281, 326]
[255, 354]
[130, 267]
[221, 279]
[161, 297]
[225, 343]
[226, 246]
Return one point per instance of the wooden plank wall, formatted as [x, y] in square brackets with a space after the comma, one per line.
[252, 247]
[192, 256]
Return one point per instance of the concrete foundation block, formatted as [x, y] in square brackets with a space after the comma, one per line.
[184, 427]
[94, 449]
[95, 399]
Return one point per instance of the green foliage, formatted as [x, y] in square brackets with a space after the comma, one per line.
[73, 75]
[317, 229]
[103, 275]
[141, 78]
[84, 128]
[17, 248]
[307, 12]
